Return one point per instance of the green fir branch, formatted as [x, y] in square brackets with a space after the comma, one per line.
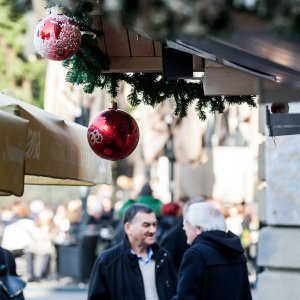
[87, 65]
[84, 68]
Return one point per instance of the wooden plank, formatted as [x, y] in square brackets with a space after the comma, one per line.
[97, 23]
[140, 46]
[274, 93]
[157, 49]
[116, 40]
[226, 81]
[135, 64]
[212, 64]
[198, 64]
[280, 96]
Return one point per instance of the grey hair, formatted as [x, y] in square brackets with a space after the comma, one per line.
[190, 202]
[206, 216]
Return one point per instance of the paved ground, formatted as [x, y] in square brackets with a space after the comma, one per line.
[54, 291]
[60, 291]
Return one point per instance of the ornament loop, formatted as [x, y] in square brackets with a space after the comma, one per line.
[55, 10]
[93, 34]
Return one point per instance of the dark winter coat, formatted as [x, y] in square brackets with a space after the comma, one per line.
[8, 266]
[116, 275]
[10, 260]
[214, 268]
[174, 241]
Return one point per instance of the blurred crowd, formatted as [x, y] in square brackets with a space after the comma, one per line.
[35, 231]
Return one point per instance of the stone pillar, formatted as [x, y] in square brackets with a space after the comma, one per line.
[279, 198]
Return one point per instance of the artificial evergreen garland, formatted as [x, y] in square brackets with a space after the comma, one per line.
[87, 65]
[84, 68]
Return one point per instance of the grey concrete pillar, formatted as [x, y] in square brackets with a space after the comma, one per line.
[279, 240]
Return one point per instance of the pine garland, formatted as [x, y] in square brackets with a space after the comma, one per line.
[152, 89]
[87, 65]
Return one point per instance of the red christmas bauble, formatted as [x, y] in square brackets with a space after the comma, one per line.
[113, 134]
[57, 37]
[280, 108]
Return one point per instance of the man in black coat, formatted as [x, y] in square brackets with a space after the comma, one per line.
[136, 269]
[214, 267]
[174, 241]
[7, 259]
[8, 267]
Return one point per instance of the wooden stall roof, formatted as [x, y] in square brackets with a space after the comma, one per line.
[131, 52]
[251, 49]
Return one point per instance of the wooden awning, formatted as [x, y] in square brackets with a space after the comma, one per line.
[130, 51]
[249, 60]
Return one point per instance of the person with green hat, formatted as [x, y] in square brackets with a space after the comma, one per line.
[146, 197]
[124, 207]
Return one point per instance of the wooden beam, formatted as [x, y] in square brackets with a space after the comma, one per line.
[198, 64]
[141, 64]
[140, 46]
[276, 93]
[135, 64]
[157, 49]
[220, 80]
[116, 40]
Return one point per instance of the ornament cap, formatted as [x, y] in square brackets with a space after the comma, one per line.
[114, 104]
[56, 10]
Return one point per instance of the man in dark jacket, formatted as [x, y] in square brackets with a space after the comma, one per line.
[8, 267]
[7, 258]
[174, 241]
[136, 269]
[214, 267]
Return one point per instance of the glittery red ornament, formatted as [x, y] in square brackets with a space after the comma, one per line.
[57, 37]
[113, 134]
[280, 108]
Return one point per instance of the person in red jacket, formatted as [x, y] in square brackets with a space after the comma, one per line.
[214, 267]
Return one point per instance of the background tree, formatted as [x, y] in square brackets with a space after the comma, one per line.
[25, 76]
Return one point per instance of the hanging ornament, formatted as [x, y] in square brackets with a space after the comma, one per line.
[57, 37]
[113, 134]
[280, 108]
